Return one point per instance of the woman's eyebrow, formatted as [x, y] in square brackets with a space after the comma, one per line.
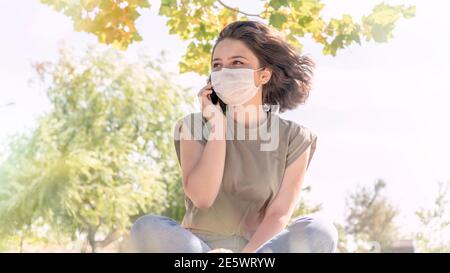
[232, 57]
[235, 57]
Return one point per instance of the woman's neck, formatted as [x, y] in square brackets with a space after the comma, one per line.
[250, 115]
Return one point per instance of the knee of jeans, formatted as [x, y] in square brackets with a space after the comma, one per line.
[321, 235]
[149, 225]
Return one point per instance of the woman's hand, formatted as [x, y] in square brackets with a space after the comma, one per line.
[220, 250]
[209, 110]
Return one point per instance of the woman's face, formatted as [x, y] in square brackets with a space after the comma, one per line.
[231, 53]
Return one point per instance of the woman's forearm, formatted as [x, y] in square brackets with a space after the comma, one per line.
[269, 227]
[203, 182]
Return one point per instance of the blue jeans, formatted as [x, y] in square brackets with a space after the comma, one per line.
[156, 233]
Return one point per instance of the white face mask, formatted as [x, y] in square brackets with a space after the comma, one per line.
[234, 86]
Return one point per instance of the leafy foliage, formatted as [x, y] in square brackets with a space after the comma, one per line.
[200, 21]
[432, 235]
[102, 156]
[305, 205]
[111, 21]
[370, 218]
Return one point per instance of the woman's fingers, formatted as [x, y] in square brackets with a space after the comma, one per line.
[203, 96]
[208, 108]
[205, 88]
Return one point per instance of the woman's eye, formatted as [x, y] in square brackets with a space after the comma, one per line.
[238, 62]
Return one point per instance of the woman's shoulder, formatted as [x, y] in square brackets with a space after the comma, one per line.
[299, 137]
[191, 119]
[190, 116]
[288, 124]
[194, 122]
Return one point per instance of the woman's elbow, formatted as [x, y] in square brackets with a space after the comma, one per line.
[203, 204]
[199, 200]
[202, 200]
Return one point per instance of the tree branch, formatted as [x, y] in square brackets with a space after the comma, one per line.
[111, 237]
[237, 10]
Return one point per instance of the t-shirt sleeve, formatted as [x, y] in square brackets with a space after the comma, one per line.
[198, 128]
[300, 138]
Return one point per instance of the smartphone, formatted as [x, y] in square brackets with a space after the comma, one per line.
[215, 99]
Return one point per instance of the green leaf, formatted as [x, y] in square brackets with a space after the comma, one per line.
[276, 4]
[410, 12]
[277, 20]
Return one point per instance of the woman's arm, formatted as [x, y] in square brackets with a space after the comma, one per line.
[203, 166]
[280, 210]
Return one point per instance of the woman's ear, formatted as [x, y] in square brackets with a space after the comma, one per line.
[265, 76]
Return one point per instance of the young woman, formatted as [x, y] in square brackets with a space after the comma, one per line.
[239, 197]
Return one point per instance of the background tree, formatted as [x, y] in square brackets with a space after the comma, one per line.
[343, 239]
[305, 206]
[104, 153]
[200, 21]
[434, 230]
[370, 218]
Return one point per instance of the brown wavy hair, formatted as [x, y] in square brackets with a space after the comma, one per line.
[292, 72]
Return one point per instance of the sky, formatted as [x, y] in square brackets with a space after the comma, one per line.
[380, 111]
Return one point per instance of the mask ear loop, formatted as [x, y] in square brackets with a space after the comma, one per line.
[270, 108]
[266, 107]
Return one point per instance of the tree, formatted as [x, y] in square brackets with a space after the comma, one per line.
[305, 206]
[102, 156]
[370, 218]
[433, 234]
[200, 21]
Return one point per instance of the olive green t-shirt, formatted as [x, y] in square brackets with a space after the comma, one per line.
[252, 174]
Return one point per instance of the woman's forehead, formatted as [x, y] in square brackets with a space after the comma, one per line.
[232, 49]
